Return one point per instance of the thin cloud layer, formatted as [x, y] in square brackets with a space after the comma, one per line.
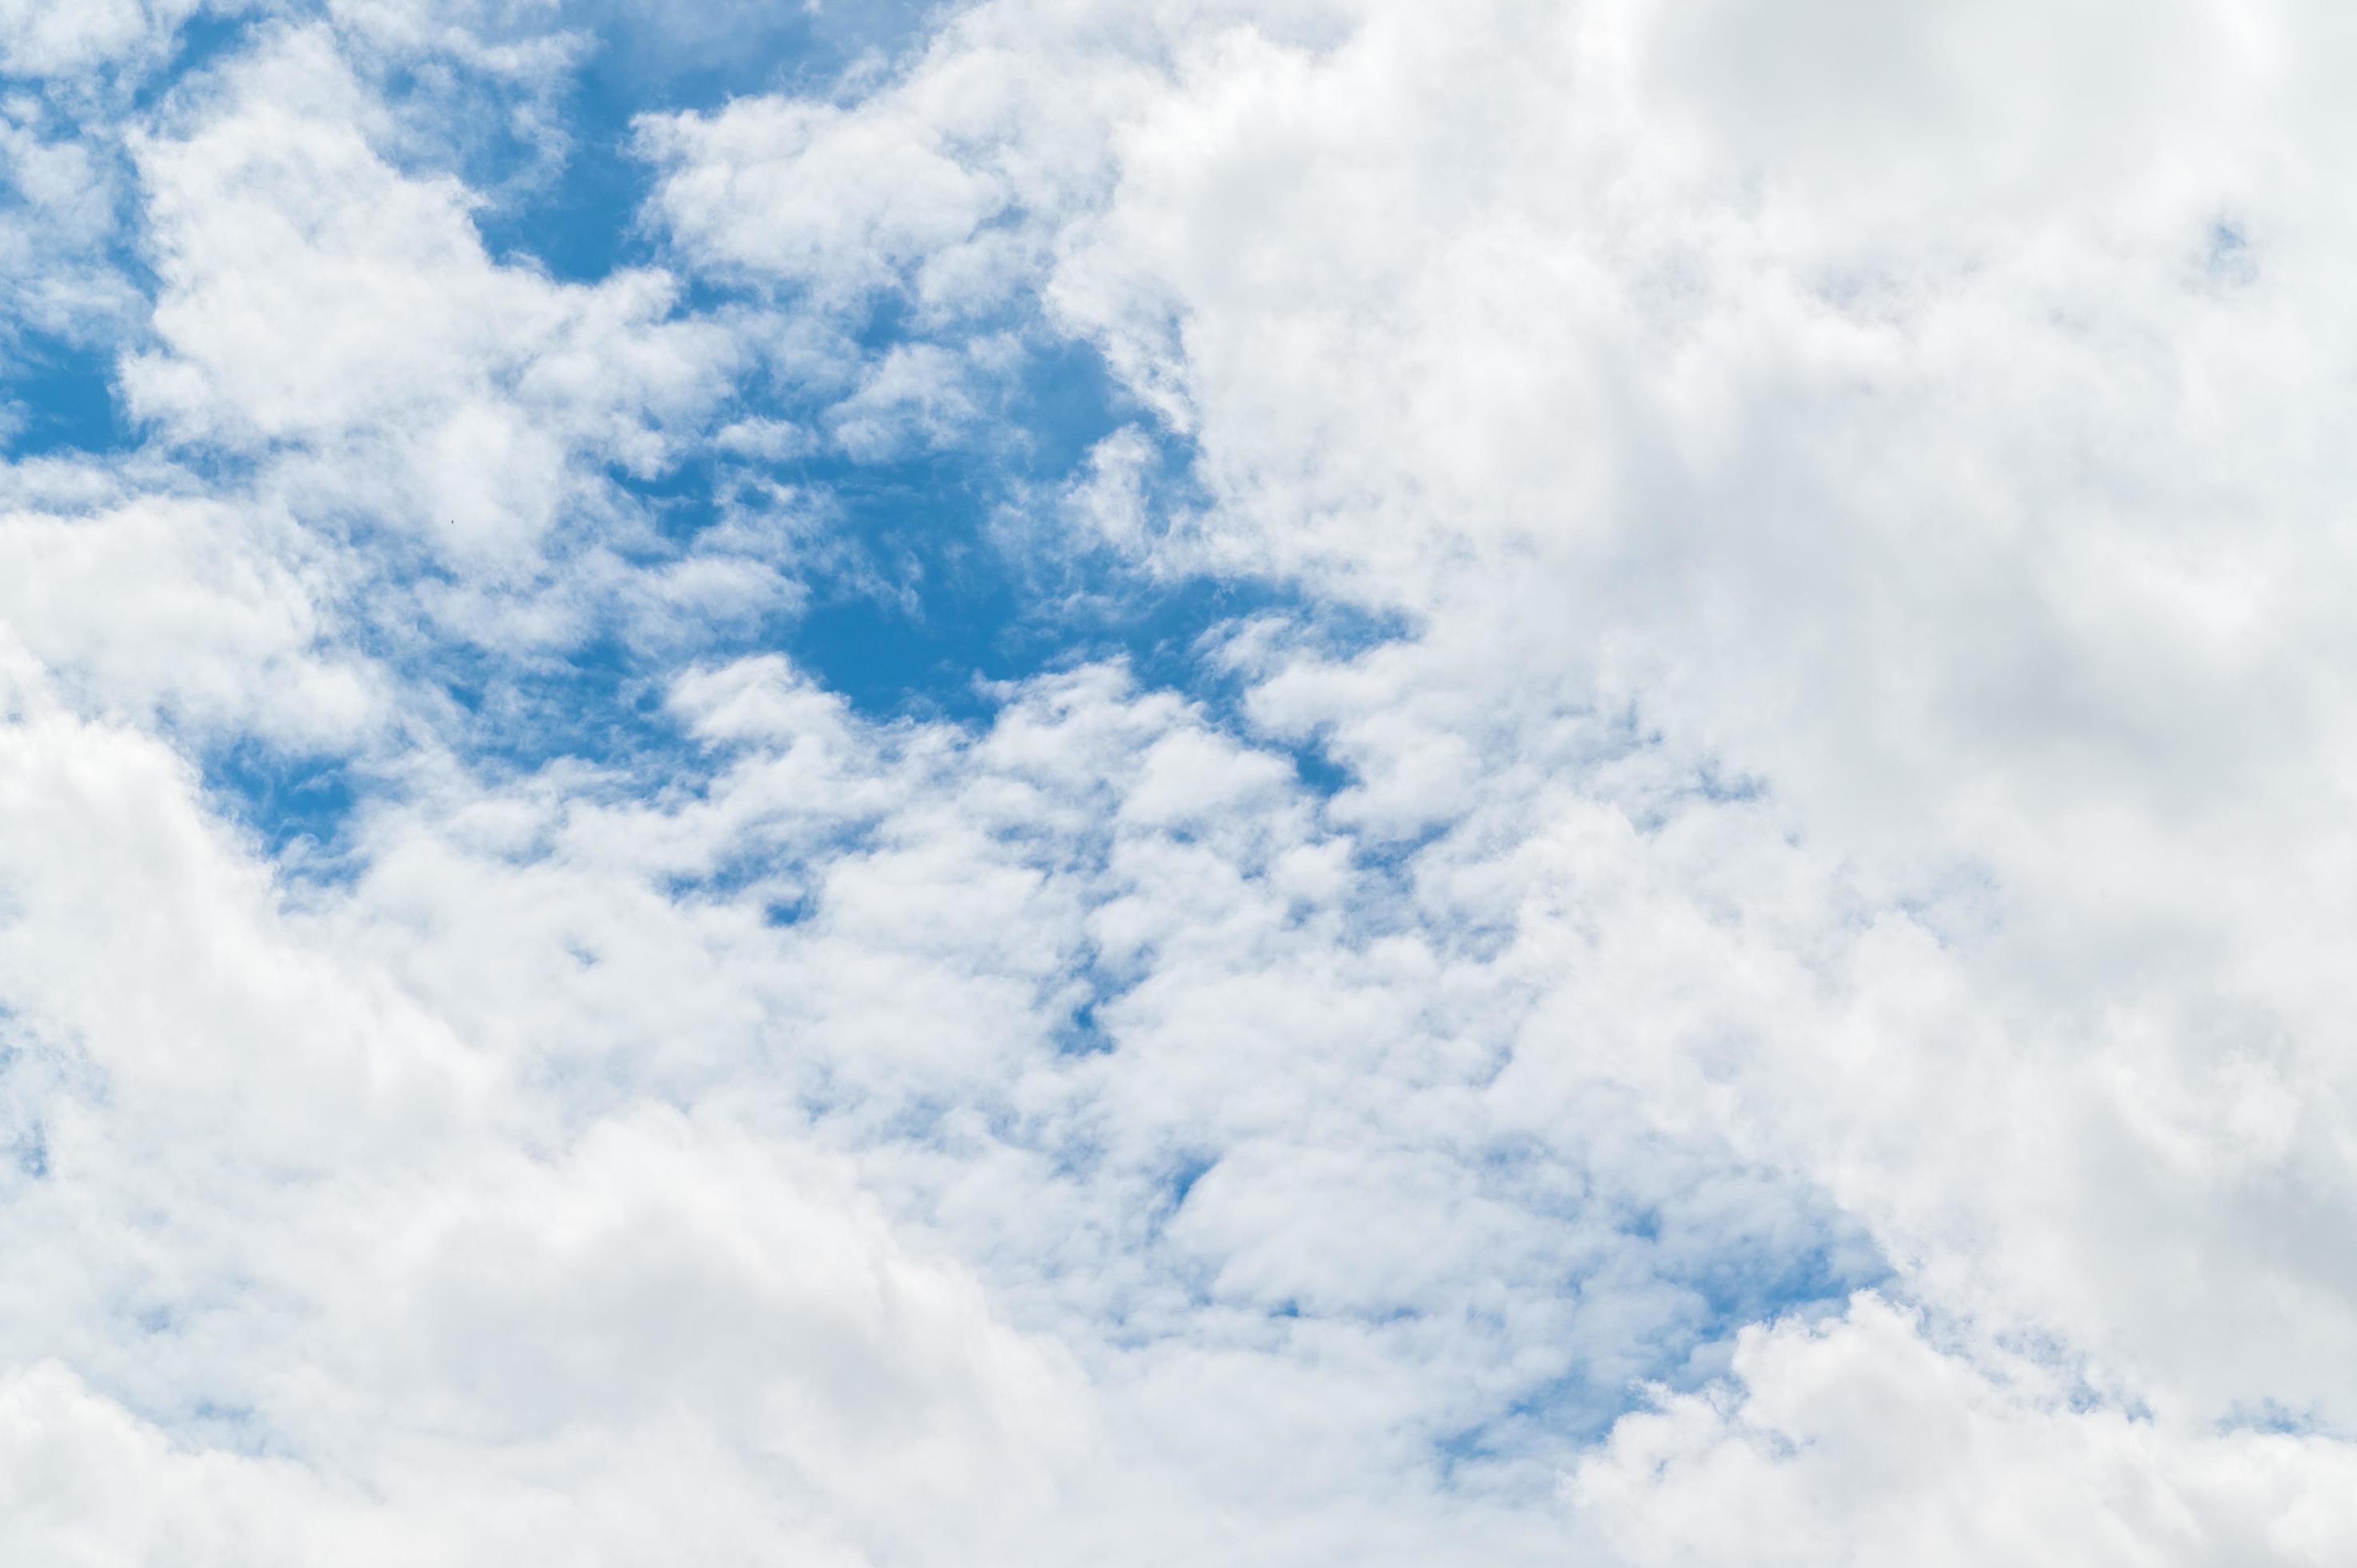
[1215, 782]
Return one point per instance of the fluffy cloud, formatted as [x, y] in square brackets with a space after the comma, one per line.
[66, 42]
[314, 295]
[1887, 423]
[1997, 1465]
[1732, 954]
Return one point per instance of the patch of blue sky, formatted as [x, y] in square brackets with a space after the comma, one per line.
[2272, 1418]
[28, 1076]
[1182, 1180]
[788, 881]
[1684, 1345]
[56, 396]
[299, 808]
[987, 604]
[24, 1137]
[1755, 1281]
[917, 605]
[1573, 1409]
[1082, 1033]
[601, 701]
[696, 54]
[578, 222]
[205, 38]
[1707, 1274]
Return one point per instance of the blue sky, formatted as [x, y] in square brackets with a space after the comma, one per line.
[1293, 781]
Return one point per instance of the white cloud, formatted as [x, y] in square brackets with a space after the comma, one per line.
[1861, 1442]
[1868, 411]
[174, 604]
[1854, 796]
[38, 39]
[807, 193]
[314, 295]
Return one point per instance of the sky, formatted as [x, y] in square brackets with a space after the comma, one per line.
[1100, 782]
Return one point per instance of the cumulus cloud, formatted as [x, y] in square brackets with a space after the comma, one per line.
[1998, 1465]
[314, 294]
[1853, 412]
[1725, 945]
[69, 41]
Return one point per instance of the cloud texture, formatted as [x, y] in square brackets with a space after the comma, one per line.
[1226, 782]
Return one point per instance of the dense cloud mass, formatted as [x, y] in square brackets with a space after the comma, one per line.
[1209, 782]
